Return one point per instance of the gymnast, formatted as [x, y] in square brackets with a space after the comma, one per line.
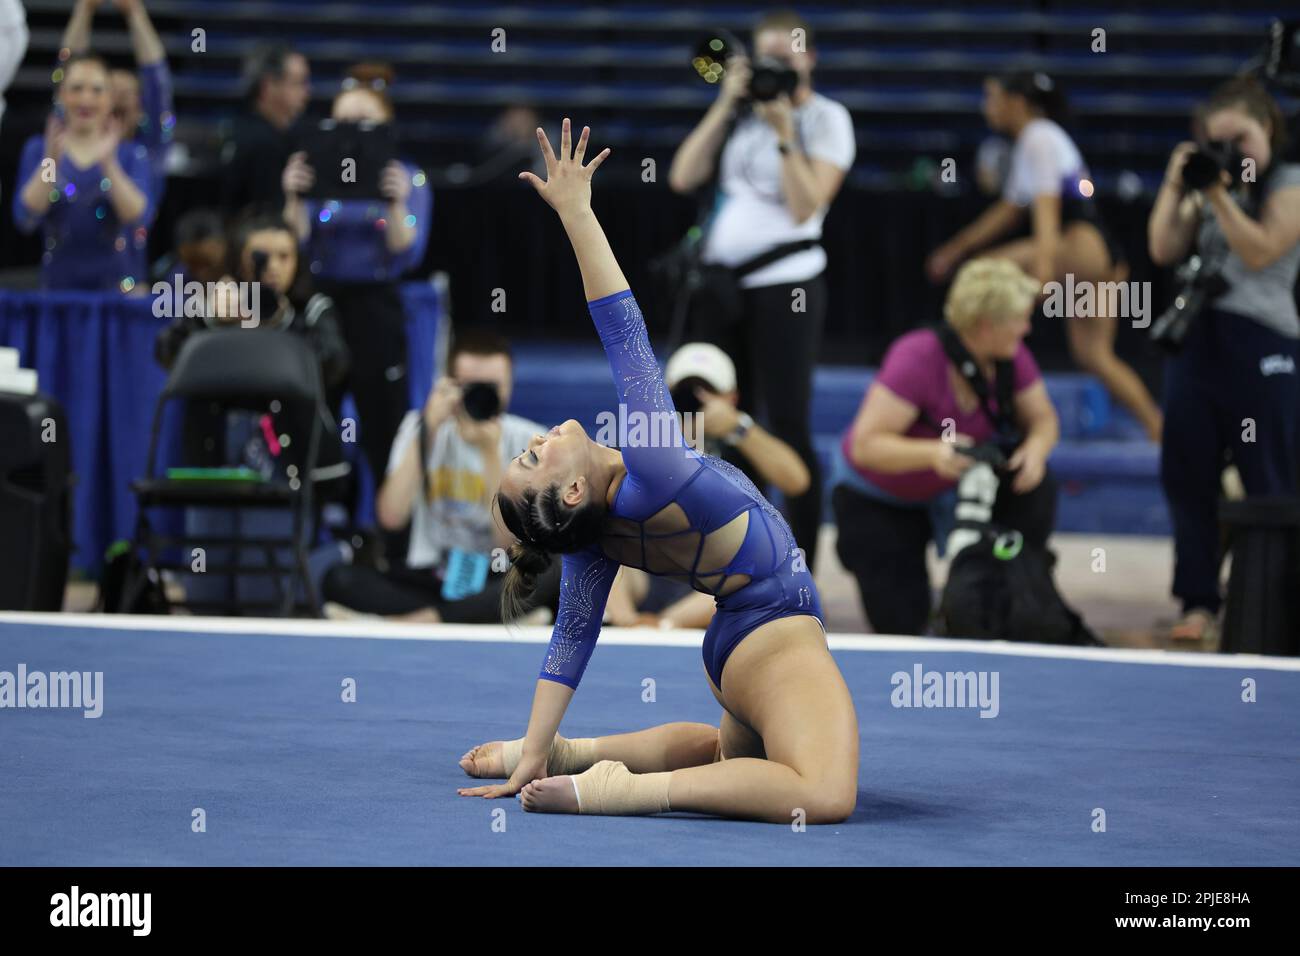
[787, 747]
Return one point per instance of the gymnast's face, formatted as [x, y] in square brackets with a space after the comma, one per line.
[560, 457]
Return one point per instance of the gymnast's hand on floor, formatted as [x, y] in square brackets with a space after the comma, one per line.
[527, 771]
[568, 183]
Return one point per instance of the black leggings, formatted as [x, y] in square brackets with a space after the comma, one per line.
[1231, 371]
[883, 546]
[775, 349]
[373, 323]
[405, 590]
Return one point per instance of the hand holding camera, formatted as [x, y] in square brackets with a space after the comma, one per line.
[442, 403]
[952, 459]
[1211, 163]
[721, 56]
[735, 81]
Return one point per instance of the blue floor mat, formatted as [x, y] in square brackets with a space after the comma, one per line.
[253, 730]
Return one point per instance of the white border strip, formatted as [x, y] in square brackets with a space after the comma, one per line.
[636, 637]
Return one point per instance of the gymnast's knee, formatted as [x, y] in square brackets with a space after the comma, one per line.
[832, 803]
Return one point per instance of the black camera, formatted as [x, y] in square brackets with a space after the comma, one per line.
[769, 76]
[1200, 283]
[481, 400]
[990, 453]
[1210, 159]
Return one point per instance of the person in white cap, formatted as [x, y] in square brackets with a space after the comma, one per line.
[702, 381]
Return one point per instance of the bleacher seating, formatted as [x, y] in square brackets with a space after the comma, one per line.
[911, 77]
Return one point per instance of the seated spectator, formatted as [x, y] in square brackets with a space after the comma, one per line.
[702, 380]
[442, 474]
[262, 251]
[90, 193]
[901, 458]
[278, 88]
[142, 100]
[198, 249]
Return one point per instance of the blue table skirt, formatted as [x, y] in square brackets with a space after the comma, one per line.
[94, 353]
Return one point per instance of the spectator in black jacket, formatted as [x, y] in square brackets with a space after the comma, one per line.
[279, 88]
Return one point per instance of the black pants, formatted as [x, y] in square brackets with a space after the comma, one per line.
[883, 546]
[775, 349]
[1232, 374]
[404, 590]
[373, 324]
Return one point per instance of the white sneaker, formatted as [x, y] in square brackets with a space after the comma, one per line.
[338, 612]
[537, 617]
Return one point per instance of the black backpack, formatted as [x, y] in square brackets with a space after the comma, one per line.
[1001, 588]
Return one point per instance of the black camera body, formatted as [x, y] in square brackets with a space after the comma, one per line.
[990, 453]
[771, 78]
[481, 401]
[1204, 166]
[1200, 283]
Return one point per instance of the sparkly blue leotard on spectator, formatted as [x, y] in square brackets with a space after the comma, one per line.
[86, 246]
[679, 514]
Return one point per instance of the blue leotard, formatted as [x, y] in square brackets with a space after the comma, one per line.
[677, 513]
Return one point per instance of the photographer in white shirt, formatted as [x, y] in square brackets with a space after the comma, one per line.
[779, 168]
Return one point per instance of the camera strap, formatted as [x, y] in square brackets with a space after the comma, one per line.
[775, 254]
[422, 440]
[1001, 418]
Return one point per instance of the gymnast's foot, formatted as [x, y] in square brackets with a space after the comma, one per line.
[607, 788]
[485, 760]
[552, 795]
[500, 757]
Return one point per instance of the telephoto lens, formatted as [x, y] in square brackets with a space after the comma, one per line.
[710, 59]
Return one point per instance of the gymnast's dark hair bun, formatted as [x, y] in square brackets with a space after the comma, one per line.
[545, 527]
[532, 562]
[1041, 91]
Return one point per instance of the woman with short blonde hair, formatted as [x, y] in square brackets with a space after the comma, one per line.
[900, 461]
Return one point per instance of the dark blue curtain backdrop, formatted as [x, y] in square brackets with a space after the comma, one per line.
[94, 353]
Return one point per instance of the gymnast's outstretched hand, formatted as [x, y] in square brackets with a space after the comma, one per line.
[567, 188]
[529, 769]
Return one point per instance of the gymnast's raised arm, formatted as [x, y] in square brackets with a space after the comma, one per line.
[655, 453]
[567, 190]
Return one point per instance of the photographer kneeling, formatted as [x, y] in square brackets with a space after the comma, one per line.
[443, 470]
[1234, 371]
[970, 382]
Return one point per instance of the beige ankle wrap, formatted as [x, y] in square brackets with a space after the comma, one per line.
[610, 789]
[567, 756]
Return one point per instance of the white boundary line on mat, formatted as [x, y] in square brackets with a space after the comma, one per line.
[636, 637]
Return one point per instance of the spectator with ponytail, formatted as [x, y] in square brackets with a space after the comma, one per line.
[1238, 357]
[1050, 181]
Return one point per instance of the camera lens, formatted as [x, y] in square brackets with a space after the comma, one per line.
[481, 400]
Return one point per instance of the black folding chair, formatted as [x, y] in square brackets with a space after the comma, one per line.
[251, 370]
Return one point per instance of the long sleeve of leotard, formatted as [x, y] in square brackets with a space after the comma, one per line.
[649, 433]
[585, 580]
